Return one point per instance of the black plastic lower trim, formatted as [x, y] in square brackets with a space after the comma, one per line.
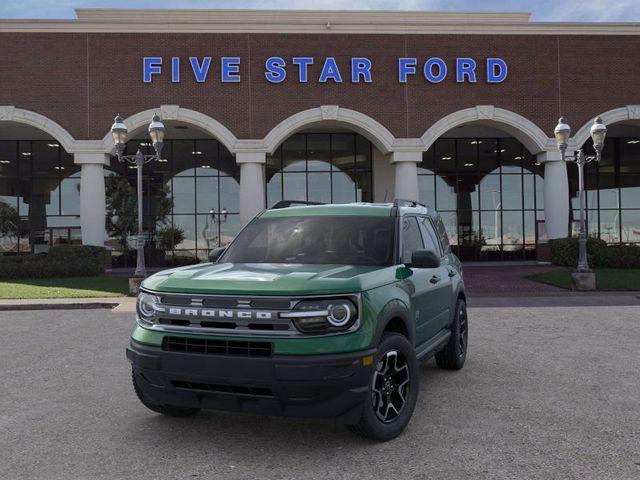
[318, 386]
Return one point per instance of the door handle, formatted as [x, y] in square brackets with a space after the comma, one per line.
[452, 272]
[434, 279]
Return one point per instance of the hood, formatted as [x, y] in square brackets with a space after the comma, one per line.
[270, 279]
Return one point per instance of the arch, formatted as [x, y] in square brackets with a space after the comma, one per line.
[9, 113]
[373, 130]
[527, 132]
[177, 113]
[629, 112]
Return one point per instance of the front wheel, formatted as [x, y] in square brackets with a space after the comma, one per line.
[453, 355]
[393, 390]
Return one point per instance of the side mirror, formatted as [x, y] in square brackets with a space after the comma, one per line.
[424, 259]
[216, 253]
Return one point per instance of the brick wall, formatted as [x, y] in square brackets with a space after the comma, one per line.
[82, 80]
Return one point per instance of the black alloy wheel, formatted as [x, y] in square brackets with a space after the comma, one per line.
[391, 385]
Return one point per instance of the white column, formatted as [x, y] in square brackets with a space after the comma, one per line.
[252, 194]
[556, 194]
[92, 197]
[406, 170]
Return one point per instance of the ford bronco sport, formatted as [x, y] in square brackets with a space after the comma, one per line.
[321, 311]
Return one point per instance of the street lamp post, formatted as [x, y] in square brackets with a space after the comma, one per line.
[119, 133]
[562, 133]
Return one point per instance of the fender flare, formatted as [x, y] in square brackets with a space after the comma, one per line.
[394, 309]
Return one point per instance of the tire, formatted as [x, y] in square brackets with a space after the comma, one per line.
[169, 410]
[453, 355]
[379, 421]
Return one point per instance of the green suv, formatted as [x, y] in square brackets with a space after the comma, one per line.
[313, 311]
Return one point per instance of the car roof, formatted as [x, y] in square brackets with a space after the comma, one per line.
[359, 209]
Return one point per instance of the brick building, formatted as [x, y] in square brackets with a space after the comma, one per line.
[453, 109]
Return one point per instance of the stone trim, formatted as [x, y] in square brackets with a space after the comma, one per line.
[177, 113]
[527, 132]
[318, 22]
[382, 138]
[10, 113]
[629, 112]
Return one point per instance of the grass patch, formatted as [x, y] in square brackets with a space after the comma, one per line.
[70, 287]
[607, 279]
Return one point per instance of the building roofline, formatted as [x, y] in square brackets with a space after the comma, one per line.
[311, 21]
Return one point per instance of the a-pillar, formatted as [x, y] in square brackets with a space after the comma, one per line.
[556, 194]
[252, 196]
[92, 197]
[406, 173]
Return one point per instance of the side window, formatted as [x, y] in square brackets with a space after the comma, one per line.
[431, 241]
[411, 238]
[442, 233]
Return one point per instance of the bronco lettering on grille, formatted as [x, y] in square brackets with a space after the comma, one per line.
[216, 313]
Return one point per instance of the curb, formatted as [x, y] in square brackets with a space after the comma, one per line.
[57, 306]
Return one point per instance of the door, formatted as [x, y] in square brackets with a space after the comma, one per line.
[443, 287]
[423, 283]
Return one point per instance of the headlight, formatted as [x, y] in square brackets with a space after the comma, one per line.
[323, 316]
[146, 307]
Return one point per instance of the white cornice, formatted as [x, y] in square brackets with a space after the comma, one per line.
[297, 21]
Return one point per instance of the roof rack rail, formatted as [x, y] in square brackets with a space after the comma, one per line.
[401, 202]
[290, 203]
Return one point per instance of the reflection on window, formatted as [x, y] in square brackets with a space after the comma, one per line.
[321, 167]
[489, 192]
[201, 181]
[612, 188]
[39, 196]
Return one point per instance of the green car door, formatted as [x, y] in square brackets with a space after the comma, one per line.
[427, 286]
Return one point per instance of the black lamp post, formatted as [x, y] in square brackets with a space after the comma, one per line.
[156, 132]
[562, 133]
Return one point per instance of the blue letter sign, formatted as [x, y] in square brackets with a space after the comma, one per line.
[428, 70]
[360, 67]
[330, 71]
[151, 66]
[406, 66]
[434, 69]
[200, 71]
[496, 70]
[275, 69]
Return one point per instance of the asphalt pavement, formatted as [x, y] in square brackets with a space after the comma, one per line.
[547, 393]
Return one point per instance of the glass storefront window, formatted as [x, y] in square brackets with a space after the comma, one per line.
[490, 193]
[39, 196]
[612, 190]
[320, 167]
[201, 181]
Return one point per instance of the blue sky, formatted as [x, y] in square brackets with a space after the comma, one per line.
[543, 10]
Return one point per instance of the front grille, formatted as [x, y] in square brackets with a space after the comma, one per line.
[217, 347]
[230, 389]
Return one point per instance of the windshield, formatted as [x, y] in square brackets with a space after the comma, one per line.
[342, 240]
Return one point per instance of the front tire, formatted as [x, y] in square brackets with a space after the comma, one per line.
[169, 410]
[454, 354]
[393, 391]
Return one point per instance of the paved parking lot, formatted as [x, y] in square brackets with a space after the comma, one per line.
[546, 393]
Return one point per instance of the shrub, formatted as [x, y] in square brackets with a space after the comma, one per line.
[618, 256]
[564, 251]
[61, 261]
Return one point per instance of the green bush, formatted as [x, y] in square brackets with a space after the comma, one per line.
[564, 251]
[618, 256]
[61, 261]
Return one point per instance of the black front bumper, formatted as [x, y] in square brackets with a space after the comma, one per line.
[319, 386]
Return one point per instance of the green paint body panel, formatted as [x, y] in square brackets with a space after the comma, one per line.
[270, 279]
[385, 291]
